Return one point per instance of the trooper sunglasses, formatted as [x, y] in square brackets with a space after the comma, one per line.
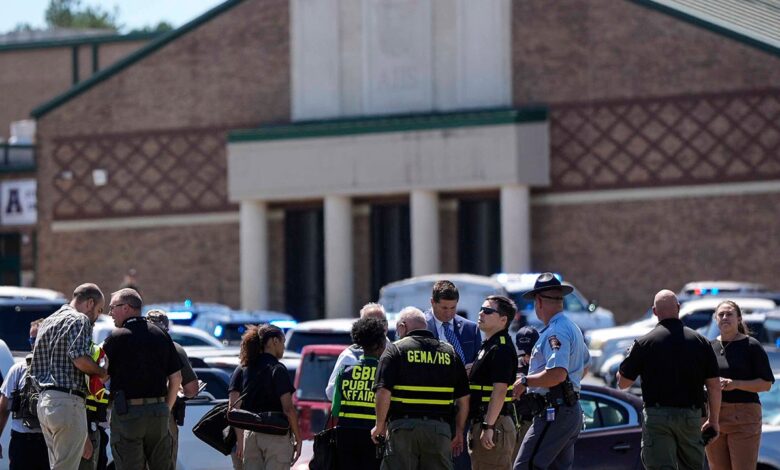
[488, 310]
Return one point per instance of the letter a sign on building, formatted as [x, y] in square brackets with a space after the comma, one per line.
[18, 202]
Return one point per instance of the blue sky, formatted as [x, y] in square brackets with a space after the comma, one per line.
[132, 13]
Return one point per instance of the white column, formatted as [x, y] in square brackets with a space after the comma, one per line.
[424, 209]
[338, 257]
[254, 255]
[515, 229]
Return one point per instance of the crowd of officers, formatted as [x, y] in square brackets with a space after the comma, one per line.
[441, 398]
[58, 397]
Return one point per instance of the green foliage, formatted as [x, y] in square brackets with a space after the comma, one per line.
[20, 27]
[162, 27]
[71, 14]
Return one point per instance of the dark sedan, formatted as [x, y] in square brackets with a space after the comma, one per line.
[612, 434]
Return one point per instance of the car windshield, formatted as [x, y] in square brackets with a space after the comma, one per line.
[299, 339]
[15, 327]
[315, 371]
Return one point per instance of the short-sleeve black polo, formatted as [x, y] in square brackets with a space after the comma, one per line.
[744, 359]
[141, 356]
[496, 363]
[673, 361]
[271, 380]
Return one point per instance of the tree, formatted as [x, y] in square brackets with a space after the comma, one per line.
[162, 27]
[70, 14]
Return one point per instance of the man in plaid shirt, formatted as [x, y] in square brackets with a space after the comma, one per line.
[61, 357]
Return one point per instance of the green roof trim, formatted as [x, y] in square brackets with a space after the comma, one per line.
[80, 41]
[735, 33]
[399, 123]
[134, 57]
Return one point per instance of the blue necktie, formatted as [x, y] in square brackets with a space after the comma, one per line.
[453, 340]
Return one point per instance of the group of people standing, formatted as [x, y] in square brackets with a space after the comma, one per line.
[70, 375]
[675, 364]
[441, 398]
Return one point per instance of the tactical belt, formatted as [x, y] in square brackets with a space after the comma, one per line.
[145, 401]
[69, 391]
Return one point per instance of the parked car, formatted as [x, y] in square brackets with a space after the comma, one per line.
[330, 331]
[228, 326]
[703, 288]
[586, 314]
[317, 362]
[416, 292]
[18, 307]
[606, 343]
[610, 440]
[764, 326]
[227, 360]
[184, 313]
[769, 451]
[186, 336]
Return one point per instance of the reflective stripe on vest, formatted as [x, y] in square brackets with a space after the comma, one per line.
[488, 389]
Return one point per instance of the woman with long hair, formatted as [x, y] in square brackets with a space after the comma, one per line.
[744, 371]
[268, 388]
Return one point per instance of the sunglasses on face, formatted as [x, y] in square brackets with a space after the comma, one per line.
[488, 310]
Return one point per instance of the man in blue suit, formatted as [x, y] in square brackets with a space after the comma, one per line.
[461, 333]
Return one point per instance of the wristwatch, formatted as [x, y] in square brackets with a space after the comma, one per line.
[488, 426]
[523, 380]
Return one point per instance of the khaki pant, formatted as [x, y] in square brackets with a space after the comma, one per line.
[671, 439]
[173, 428]
[418, 444]
[740, 437]
[141, 438]
[92, 463]
[500, 456]
[63, 420]
[267, 451]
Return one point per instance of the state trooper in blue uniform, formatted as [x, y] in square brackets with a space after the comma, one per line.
[557, 365]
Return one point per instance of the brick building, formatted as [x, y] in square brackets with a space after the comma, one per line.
[34, 67]
[297, 155]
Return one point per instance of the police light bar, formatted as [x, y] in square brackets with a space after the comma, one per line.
[180, 315]
[284, 324]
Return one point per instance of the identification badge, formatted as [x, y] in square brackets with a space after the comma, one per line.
[550, 414]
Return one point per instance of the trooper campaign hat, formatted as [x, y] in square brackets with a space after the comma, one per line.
[545, 282]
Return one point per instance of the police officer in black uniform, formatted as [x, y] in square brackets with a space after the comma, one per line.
[493, 432]
[141, 358]
[418, 382]
[675, 363]
[353, 399]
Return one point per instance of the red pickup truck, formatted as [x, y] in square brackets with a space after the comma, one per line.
[311, 378]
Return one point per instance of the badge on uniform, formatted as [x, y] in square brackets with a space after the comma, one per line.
[550, 415]
[554, 343]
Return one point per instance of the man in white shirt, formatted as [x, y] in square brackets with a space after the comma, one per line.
[351, 355]
[28, 447]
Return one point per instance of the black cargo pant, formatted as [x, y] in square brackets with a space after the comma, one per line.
[27, 451]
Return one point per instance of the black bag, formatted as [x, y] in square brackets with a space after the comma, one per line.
[267, 422]
[214, 430]
[324, 450]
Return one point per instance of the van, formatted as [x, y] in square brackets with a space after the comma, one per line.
[416, 292]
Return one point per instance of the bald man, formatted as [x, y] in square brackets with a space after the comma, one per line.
[674, 362]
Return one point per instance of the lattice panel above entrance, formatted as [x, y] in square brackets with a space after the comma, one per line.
[152, 173]
[683, 140]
